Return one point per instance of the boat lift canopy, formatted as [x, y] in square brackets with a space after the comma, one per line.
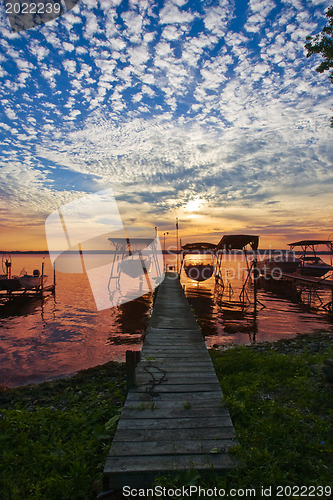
[304, 244]
[231, 242]
[134, 244]
[310, 242]
[192, 247]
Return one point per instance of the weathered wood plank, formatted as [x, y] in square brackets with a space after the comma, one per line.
[160, 463]
[185, 353]
[184, 447]
[164, 361]
[156, 334]
[175, 423]
[165, 387]
[185, 410]
[199, 397]
[179, 378]
[171, 404]
[159, 336]
[173, 434]
[184, 349]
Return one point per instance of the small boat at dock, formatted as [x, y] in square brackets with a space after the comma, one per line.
[311, 264]
[314, 266]
[24, 282]
[277, 264]
[199, 271]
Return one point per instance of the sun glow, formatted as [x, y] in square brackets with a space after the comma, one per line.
[194, 205]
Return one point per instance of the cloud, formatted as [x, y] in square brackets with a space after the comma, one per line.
[171, 14]
[170, 104]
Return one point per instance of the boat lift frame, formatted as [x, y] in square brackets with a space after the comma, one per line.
[40, 290]
[308, 287]
[230, 243]
[126, 247]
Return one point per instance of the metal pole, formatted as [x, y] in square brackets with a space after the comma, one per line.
[164, 249]
[255, 277]
[177, 244]
[42, 285]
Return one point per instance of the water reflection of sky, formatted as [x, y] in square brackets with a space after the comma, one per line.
[224, 320]
[60, 335]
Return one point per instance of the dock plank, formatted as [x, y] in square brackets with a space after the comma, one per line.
[175, 423]
[181, 447]
[210, 386]
[169, 463]
[198, 398]
[161, 435]
[175, 418]
[176, 411]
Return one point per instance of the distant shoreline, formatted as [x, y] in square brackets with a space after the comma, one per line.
[164, 252]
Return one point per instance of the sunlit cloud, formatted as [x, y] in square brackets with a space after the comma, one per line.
[184, 108]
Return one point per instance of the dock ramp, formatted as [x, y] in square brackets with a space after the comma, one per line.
[174, 419]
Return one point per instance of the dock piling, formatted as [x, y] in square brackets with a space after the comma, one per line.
[132, 359]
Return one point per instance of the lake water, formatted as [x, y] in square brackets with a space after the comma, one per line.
[56, 336]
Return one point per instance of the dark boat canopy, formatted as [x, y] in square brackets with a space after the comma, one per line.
[199, 246]
[307, 243]
[238, 242]
[135, 244]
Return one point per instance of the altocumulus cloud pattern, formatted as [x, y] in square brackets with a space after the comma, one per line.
[175, 104]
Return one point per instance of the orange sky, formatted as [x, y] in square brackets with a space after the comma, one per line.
[192, 227]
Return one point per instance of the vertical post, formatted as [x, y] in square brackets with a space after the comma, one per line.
[145, 272]
[181, 263]
[42, 284]
[177, 243]
[132, 359]
[8, 265]
[166, 232]
[255, 278]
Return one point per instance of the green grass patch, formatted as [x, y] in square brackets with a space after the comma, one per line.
[54, 437]
[282, 411]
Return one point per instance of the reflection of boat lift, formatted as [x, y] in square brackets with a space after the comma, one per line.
[129, 259]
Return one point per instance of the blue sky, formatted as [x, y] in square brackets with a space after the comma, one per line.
[206, 110]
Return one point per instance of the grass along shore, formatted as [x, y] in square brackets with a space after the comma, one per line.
[55, 436]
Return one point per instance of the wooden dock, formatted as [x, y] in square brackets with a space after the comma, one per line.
[174, 419]
[310, 283]
[26, 293]
[309, 280]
